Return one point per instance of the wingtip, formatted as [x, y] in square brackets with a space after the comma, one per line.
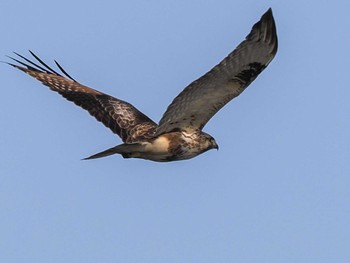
[14, 65]
[42, 66]
[267, 26]
[268, 15]
[8, 63]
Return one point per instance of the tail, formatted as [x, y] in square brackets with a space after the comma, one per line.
[126, 150]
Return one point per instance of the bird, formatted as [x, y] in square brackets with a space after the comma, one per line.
[179, 134]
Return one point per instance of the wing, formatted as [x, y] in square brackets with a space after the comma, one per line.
[121, 117]
[199, 101]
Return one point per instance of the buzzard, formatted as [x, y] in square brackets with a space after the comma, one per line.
[179, 135]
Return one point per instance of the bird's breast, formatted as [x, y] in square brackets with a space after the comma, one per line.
[159, 145]
[171, 147]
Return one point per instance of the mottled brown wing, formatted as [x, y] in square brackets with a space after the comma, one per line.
[121, 117]
[199, 101]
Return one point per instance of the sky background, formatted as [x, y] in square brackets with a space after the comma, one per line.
[278, 190]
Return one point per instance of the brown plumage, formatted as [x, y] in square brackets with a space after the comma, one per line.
[179, 134]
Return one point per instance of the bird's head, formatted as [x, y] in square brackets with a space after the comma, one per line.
[213, 144]
[210, 142]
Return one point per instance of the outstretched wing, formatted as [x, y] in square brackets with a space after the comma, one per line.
[199, 101]
[121, 117]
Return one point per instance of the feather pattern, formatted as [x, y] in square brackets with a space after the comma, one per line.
[120, 116]
[204, 97]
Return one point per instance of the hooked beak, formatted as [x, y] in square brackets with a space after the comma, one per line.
[216, 146]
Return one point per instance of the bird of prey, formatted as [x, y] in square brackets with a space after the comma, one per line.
[179, 135]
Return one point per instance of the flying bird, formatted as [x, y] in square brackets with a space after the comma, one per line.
[179, 135]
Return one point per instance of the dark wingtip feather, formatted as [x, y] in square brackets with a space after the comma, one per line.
[267, 15]
[269, 11]
[13, 65]
[265, 29]
[271, 31]
[30, 65]
[36, 66]
[63, 71]
[43, 63]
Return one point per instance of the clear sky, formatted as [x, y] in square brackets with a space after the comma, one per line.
[278, 190]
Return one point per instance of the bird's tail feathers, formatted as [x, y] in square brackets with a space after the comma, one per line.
[124, 149]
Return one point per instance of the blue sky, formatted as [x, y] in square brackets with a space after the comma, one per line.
[278, 190]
